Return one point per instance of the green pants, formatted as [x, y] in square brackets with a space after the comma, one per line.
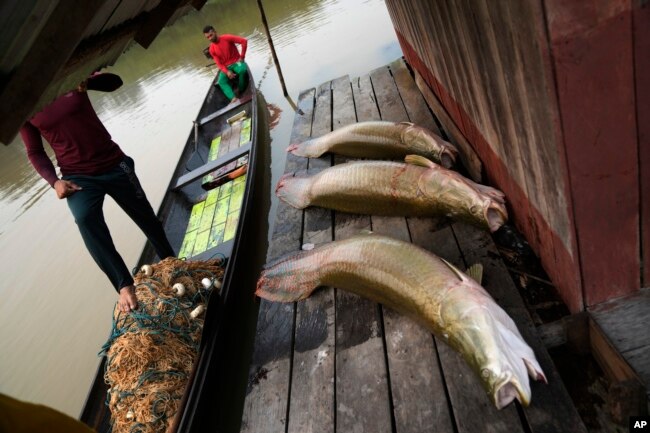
[238, 68]
[123, 186]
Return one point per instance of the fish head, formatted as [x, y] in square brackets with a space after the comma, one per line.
[459, 197]
[489, 211]
[424, 142]
[479, 329]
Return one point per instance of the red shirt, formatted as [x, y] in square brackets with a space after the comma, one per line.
[80, 142]
[224, 51]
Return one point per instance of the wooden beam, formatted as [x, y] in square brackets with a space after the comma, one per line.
[52, 48]
[610, 360]
[157, 19]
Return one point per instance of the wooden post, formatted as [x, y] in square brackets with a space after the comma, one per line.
[275, 57]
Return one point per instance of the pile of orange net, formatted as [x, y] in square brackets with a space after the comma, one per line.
[152, 349]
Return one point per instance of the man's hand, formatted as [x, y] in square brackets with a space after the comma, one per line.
[230, 74]
[65, 188]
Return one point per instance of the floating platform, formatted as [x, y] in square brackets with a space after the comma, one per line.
[336, 362]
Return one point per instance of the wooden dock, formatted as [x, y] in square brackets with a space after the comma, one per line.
[619, 334]
[336, 362]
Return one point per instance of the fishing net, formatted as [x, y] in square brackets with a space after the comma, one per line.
[151, 350]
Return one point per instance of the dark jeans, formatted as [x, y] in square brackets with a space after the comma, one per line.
[123, 186]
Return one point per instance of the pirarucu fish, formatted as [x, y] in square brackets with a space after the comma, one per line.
[377, 139]
[417, 188]
[418, 284]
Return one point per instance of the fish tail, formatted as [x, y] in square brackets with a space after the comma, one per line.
[306, 149]
[290, 279]
[294, 190]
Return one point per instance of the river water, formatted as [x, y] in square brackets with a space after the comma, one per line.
[55, 304]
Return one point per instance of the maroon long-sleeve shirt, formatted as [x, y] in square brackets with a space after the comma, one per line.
[80, 142]
[224, 51]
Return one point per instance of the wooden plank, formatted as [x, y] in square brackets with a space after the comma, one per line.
[156, 20]
[266, 404]
[388, 98]
[418, 393]
[624, 320]
[211, 166]
[468, 156]
[473, 410]
[362, 390]
[412, 98]
[47, 56]
[611, 361]
[312, 406]
[235, 133]
[551, 409]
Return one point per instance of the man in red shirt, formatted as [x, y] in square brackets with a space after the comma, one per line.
[92, 166]
[229, 60]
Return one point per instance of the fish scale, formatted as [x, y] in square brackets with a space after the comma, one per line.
[418, 284]
[379, 139]
[396, 189]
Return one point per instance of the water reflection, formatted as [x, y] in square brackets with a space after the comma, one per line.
[56, 304]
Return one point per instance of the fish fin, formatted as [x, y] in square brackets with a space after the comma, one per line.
[475, 272]
[419, 161]
[454, 269]
[406, 123]
[365, 232]
[294, 190]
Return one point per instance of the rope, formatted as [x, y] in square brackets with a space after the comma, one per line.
[151, 350]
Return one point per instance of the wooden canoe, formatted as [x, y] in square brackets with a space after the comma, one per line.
[222, 154]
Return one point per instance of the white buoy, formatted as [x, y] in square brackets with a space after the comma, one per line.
[147, 269]
[197, 311]
[217, 284]
[206, 283]
[179, 289]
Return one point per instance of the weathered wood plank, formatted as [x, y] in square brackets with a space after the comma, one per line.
[312, 388]
[419, 398]
[415, 105]
[362, 391]
[472, 409]
[265, 407]
[388, 98]
[467, 155]
[551, 409]
[624, 320]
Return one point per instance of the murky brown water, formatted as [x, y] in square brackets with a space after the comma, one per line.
[55, 308]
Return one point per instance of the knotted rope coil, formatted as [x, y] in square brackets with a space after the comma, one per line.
[151, 350]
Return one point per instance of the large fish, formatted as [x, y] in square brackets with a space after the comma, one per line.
[375, 140]
[428, 289]
[417, 188]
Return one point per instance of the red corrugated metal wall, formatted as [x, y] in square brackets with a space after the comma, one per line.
[546, 92]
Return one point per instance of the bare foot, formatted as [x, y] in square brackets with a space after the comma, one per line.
[128, 301]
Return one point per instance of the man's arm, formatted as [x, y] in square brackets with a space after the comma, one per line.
[41, 162]
[238, 40]
[36, 153]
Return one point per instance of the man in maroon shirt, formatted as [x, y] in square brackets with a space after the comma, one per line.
[229, 60]
[92, 166]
